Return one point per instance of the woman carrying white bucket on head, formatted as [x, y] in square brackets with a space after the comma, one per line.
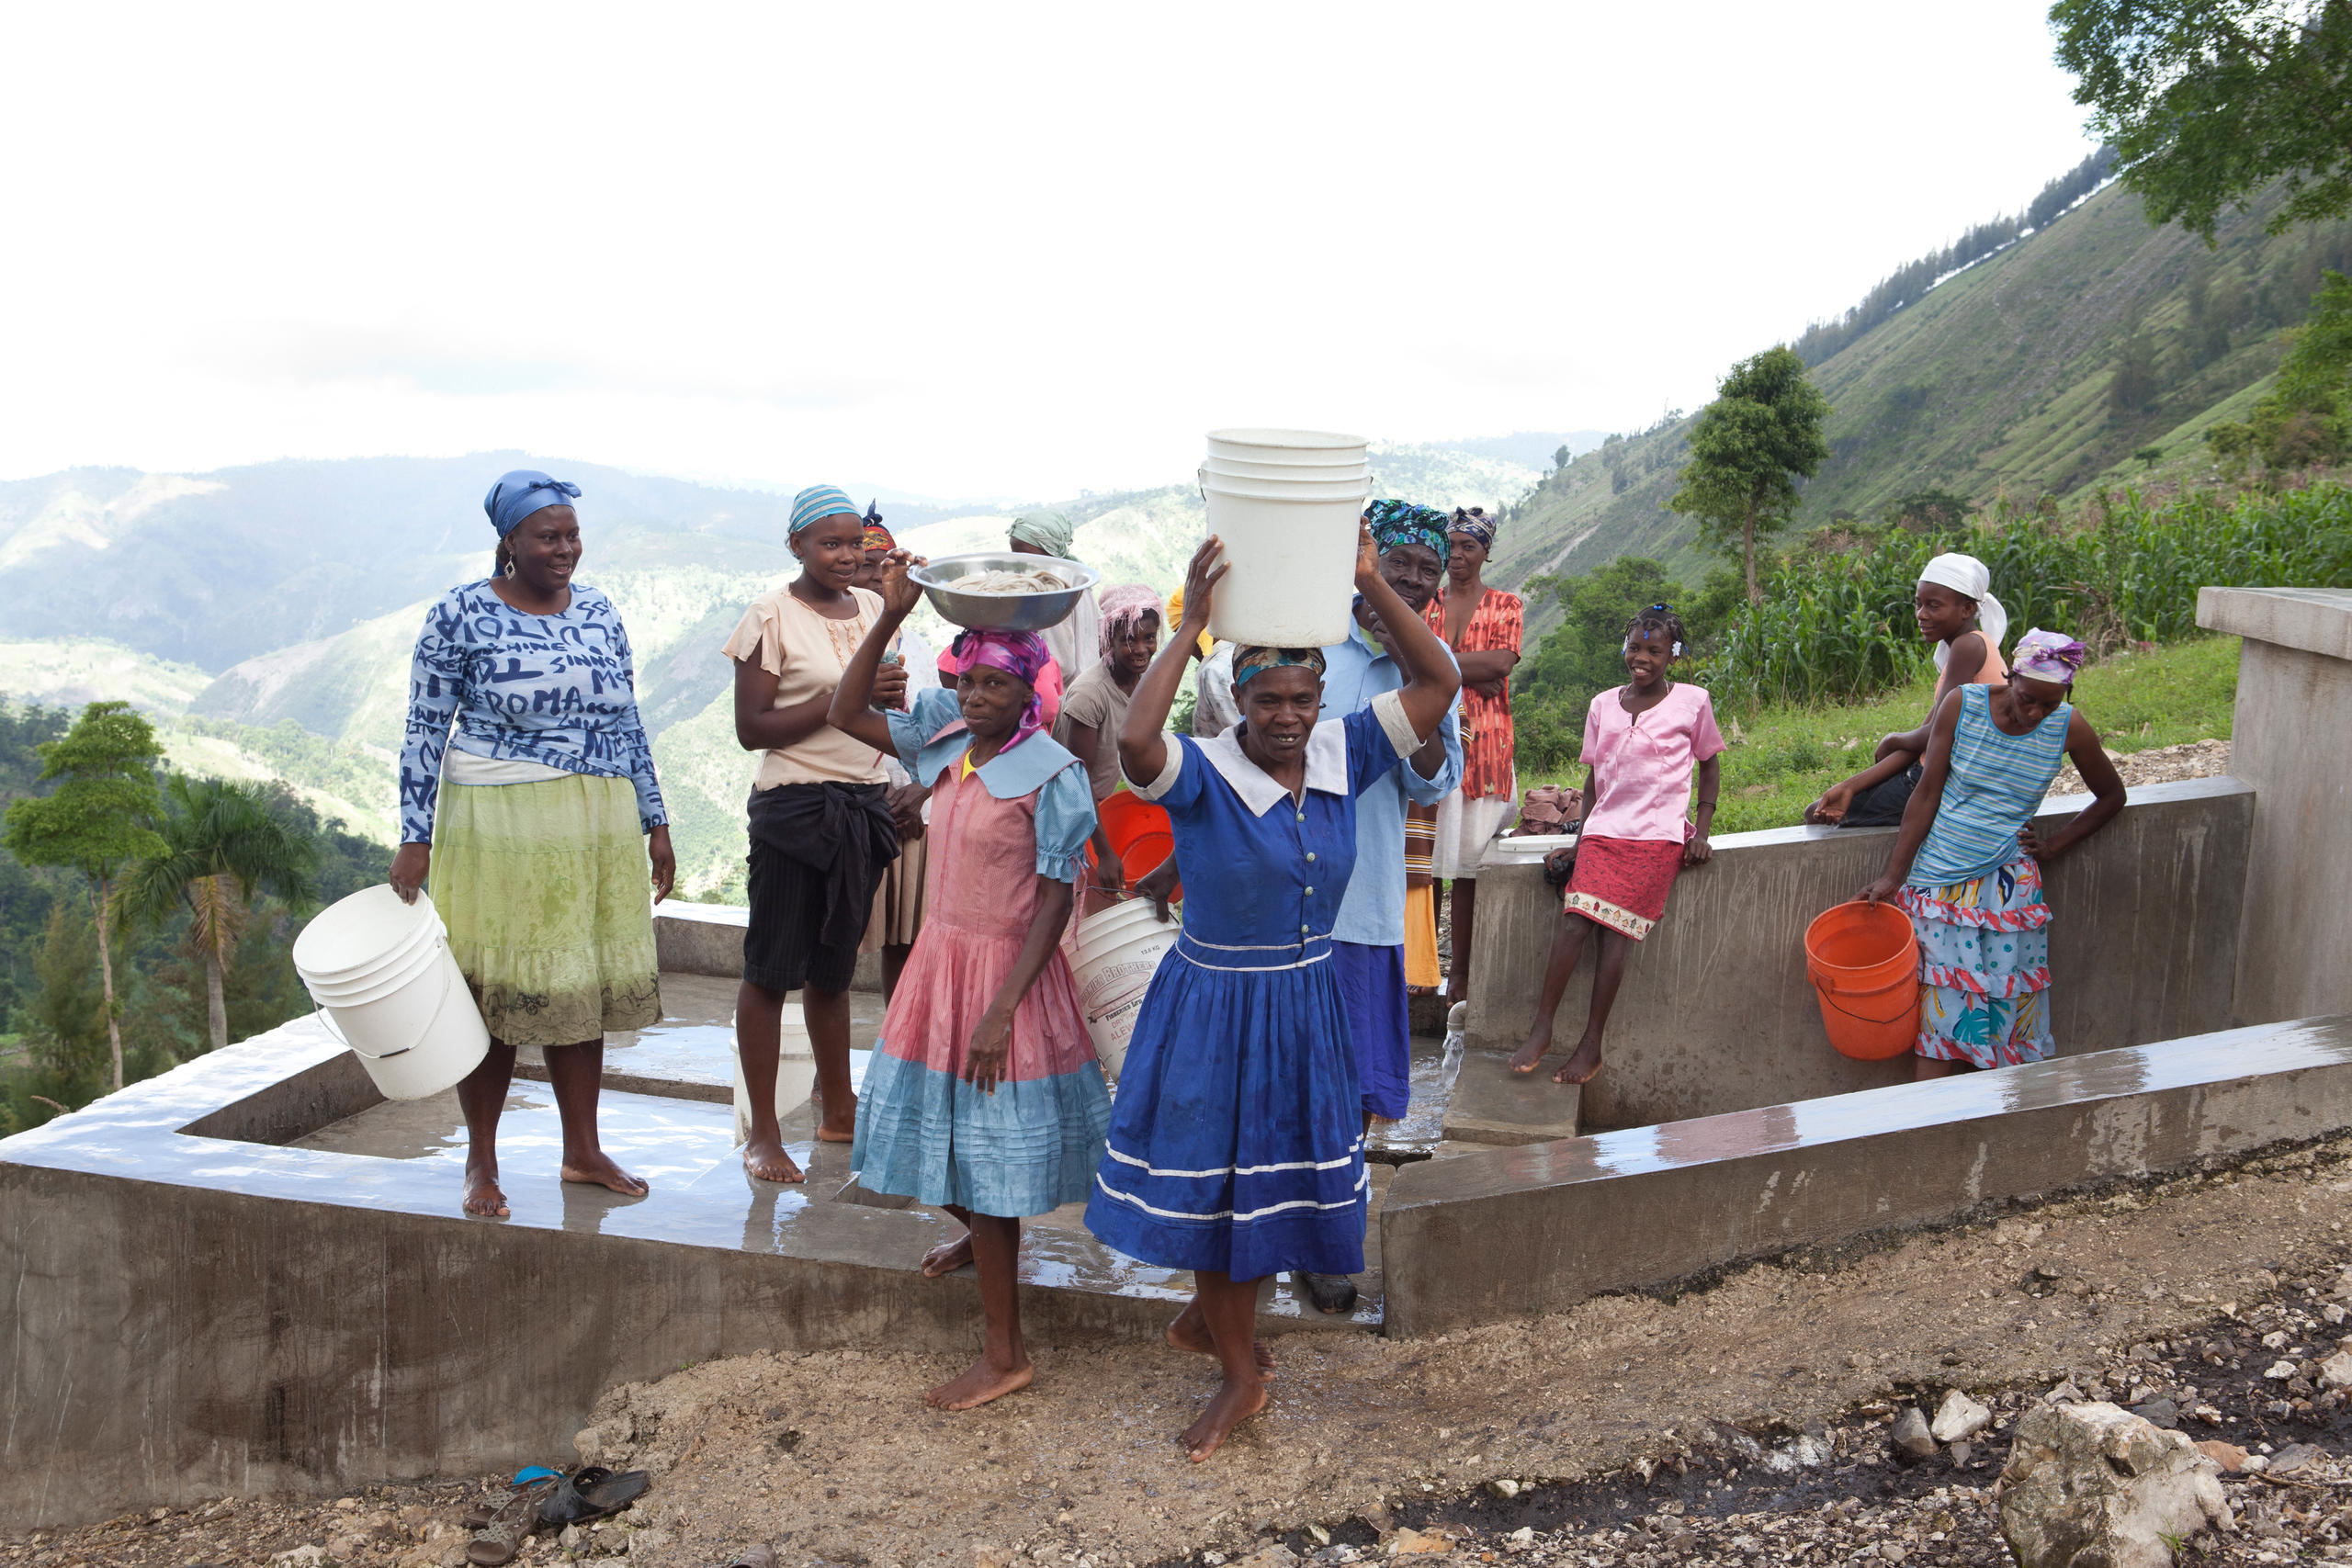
[533, 849]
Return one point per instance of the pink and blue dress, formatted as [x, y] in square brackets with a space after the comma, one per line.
[1975, 895]
[1237, 1141]
[923, 1133]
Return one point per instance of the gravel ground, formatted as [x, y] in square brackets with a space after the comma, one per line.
[1746, 1421]
[2158, 764]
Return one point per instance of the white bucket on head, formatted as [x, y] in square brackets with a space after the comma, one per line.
[1300, 448]
[795, 1073]
[1118, 952]
[1255, 473]
[382, 973]
[1291, 582]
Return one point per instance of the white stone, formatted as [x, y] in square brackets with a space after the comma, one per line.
[1959, 1418]
[2093, 1482]
[2279, 1372]
[308, 1555]
[2336, 1371]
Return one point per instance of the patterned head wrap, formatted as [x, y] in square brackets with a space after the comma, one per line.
[1124, 606]
[1395, 523]
[1050, 531]
[1971, 579]
[2048, 656]
[516, 495]
[818, 500]
[877, 537]
[1251, 661]
[1474, 523]
[1021, 655]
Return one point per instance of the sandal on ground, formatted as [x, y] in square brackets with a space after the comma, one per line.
[592, 1492]
[479, 1515]
[501, 1541]
[1330, 1292]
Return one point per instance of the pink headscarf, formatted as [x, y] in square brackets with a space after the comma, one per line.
[1021, 655]
[2048, 656]
[1124, 606]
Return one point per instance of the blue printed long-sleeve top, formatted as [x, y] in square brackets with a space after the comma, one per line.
[558, 689]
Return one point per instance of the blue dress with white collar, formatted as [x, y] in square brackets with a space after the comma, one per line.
[1236, 1137]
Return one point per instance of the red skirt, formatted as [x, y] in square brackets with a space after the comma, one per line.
[1622, 883]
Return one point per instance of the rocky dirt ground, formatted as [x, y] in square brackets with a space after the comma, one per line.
[1750, 1419]
[2158, 764]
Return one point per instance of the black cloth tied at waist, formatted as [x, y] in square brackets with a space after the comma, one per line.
[844, 831]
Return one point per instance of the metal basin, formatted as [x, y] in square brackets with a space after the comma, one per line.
[1002, 612]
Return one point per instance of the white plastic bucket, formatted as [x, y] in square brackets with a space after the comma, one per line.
[1256, 489]
[1302, 448]
[382, 973]
[795, 1074]
[1294, 567]
[1244, 469]
[1118, 952]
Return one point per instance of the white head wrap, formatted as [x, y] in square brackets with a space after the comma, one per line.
[1971, 579]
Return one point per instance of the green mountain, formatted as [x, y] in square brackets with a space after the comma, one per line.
[2040, 370]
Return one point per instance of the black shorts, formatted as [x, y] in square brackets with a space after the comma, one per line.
[781, 951]
[1880, 806]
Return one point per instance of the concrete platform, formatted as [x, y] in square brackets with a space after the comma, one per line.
[1488, 1236]
[1491, 1104]
[251, 1273]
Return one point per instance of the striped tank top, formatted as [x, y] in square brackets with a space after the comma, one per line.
[1995, 785]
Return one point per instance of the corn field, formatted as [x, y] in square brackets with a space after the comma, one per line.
[1836, 626]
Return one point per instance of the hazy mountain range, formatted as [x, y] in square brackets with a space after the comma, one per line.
[264, 616]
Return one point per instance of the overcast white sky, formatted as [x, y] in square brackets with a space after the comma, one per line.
[967, 250]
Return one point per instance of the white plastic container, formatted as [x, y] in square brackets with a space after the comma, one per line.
[1252, 487]
[1299, 449]
[795, 1074]
[1119, 950]
[1243, 468]
[382, 973]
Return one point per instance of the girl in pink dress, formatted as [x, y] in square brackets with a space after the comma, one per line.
[983, 1096]
[1640, 742]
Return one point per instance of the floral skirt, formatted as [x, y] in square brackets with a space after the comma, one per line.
[550, 903]
[1622, 883]
[1983, 967]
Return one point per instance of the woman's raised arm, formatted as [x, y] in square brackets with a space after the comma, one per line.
[851, 711]
[1143, 745]
[1430, 679]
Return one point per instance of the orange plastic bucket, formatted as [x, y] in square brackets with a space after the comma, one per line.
[1139, 831]
[1863, 960]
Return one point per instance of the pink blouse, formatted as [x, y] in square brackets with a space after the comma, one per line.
[1644, 762]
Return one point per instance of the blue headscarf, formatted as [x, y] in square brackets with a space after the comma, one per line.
[1395, 523]
[1256, 661]
[820, 500]
[516, 495]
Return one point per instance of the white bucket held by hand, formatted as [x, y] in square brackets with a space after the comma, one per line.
[795, 1074]
[1118, 952]
[382, 973]
[1290, 544]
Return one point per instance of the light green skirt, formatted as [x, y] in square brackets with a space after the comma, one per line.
[548, 898]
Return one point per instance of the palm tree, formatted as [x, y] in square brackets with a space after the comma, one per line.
[222, 843]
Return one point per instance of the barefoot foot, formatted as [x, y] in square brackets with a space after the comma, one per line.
[1523, 1060]
[483, 1193]
[766, 1161]
[1234, 1403]
[841, 1129]
[599, 1171]
[947, 1256]
[1582, 1067]
[1191, 1332]
[985, 1381]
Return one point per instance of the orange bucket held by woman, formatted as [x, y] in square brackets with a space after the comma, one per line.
[1863, 960]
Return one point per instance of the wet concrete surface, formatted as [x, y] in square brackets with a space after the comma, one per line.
[1491, 1104]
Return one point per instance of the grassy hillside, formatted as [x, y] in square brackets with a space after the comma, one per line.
[2041, 370]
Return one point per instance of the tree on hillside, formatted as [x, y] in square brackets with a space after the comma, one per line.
[2209, 101]
[222, 844]
[2306, 419]
[1760, 436]
[96, 822]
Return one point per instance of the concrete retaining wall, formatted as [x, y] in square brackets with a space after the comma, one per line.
[2292, 740]
[1716, 1014]
[708, 939]
[1511, 1232]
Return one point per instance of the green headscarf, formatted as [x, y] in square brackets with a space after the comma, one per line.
[1047, 529]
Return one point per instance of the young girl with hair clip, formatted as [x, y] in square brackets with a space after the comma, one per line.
[1640, 742]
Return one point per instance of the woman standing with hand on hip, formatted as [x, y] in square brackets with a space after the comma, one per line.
[820, 826]
[532, 851]
[1236, 1141]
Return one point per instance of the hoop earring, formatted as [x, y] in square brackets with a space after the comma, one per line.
[510, 567]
